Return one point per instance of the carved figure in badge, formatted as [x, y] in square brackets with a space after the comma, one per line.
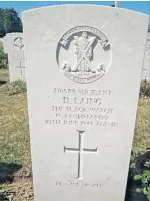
[84, 52]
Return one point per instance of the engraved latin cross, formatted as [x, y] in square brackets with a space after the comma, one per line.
[20, 68]
[80, 151]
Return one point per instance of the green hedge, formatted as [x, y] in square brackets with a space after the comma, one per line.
[3, 57]
[3, 61]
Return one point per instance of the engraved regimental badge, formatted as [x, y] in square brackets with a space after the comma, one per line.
[83, 54]
[18, 43]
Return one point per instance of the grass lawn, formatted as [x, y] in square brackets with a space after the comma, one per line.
[14, 132]
[141, 139]
[4, 75]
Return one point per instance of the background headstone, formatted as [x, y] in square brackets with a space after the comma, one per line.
[84, 71]
[14, 47]
[5, 44]
[146, 67]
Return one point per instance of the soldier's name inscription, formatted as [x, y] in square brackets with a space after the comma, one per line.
[74, 108]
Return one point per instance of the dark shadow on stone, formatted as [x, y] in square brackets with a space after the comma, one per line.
[2, 82]
[132, 185]
[7, 172]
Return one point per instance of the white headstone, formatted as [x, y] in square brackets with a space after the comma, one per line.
[5, 44]
[84, 66]
[146, 67]
[14, 47]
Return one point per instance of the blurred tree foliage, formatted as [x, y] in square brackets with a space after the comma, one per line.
[9, 21]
